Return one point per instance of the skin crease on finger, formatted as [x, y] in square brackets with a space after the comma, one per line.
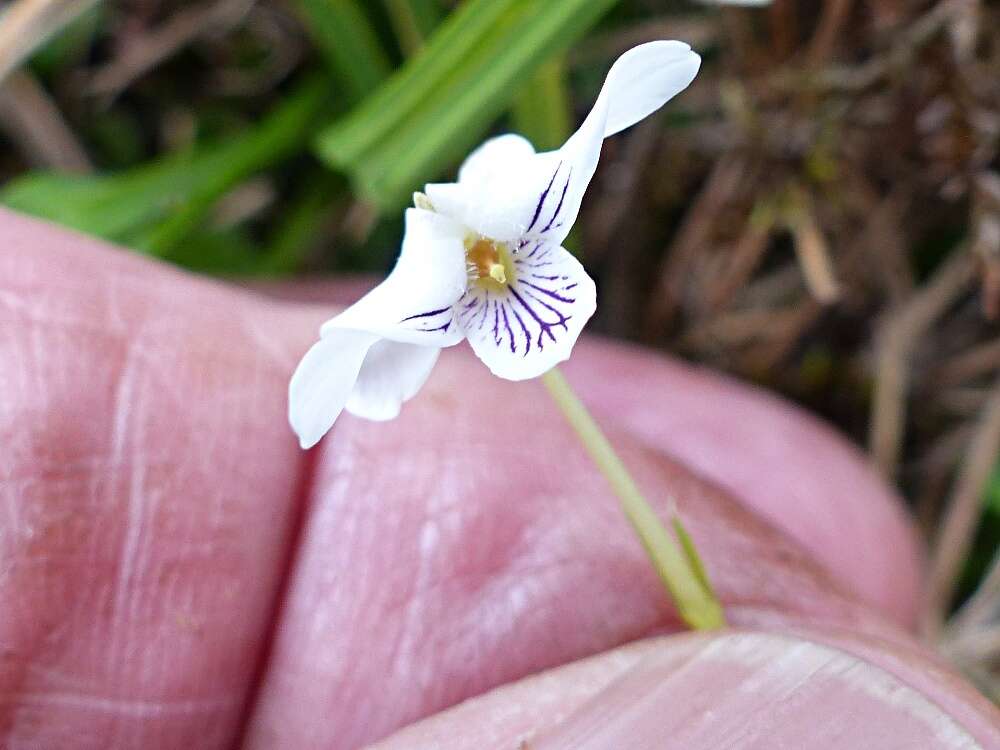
[152, 496]
[147, 496]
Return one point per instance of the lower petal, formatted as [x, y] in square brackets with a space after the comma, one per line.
[323, 382]
[391, 374]
[530, 325]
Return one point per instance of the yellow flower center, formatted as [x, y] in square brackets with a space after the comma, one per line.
[490, 263]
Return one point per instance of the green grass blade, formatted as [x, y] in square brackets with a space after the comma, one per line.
[105, 206]
[348, 43]
[302, 223]
[453, 117]
[413, 21]
[385, 110]
[280, 135]
[541, 110]
[694, 560]
[157, 205]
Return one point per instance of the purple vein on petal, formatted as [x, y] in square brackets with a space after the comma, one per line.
[506, 323]
[444, 328]
[561, 199]
[541, 265]
[426, 314]
[540, 252]
[562, 318]
[541, 200]
[544, 326]
[527, 333]
[549, 292]
[486, 309]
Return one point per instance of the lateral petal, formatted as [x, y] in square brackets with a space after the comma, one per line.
[323, 382]
[392, 373]
[413, 304]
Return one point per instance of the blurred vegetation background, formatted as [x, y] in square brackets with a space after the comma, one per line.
[819, 213]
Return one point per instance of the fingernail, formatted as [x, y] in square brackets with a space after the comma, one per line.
[754, 691]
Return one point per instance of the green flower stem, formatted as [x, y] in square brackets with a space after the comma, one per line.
[679, 567]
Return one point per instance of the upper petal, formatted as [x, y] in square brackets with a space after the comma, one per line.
[391, 374]
[494, 157]
[640, 82]
[413, 304]
[323, 382]
[490, 181]
[507, 193]
[532, 324]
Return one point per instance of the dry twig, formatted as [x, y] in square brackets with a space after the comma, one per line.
[885, 246]
[722, 183]
[834, 15]
[962, 513]
[895, 343]
[986, 242]
[741, 264]
[32, 120]
[970, 364]
[857, 78]
[28, 23]
[935, 467]
[148, 50]
[812, 250]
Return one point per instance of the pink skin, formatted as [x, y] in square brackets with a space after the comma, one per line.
[174, 571]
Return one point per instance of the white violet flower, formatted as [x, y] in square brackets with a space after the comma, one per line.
[482, 260]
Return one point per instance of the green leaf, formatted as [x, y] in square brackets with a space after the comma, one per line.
[413, 21]
[348, 43]
[104, 206]
[281, 134]
[993, 492]
[985, 543]
[344, 142]
[156, 206]
[693, 558]
[301, 224]
[440, 103]
[541, 111]
[229, 252]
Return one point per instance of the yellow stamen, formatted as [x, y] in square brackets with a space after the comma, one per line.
[422, 201]
[490, 263]
[498, 274]
[483, 255]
